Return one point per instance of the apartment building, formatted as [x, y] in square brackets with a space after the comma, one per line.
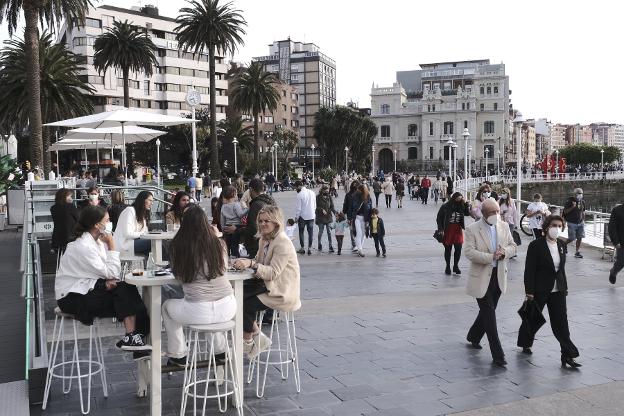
[557, 136]
[165, 91]
[426, 111]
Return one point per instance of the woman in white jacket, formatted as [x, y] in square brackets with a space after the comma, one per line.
[133, 222]
[87, 282]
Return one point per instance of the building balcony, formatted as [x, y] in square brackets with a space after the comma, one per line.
[447, 137]
[414, 139]
[488, 136]
[384, 139]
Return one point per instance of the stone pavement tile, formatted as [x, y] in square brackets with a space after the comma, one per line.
[355, 392]
[461, 388]
[396, 411]
[467, 402]
[272, 405]
[350, 408]
[500, 396]
[322, 398]
[305, 412]
[534, 389]
[429, 408]
[406, 398]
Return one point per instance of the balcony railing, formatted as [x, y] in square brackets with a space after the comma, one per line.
[414, 138]
[384, 139]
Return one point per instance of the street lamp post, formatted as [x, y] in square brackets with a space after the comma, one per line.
[272, 161]
[275, 150]
[466, 136]
[518, 125]
[557, 164]
[487, 153]
[450, 143]
[158, 161]
[498, 163]
[346, 160]
[602, 161]
[193, 99]
[455, 146]
[312, 147]
[395, 158]
[235, 142]
[373, 160]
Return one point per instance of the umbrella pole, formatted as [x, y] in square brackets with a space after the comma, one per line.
[86, 159]
[58, 175]
[97, 157]
[123, 137]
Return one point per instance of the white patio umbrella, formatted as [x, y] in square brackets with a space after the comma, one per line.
[122, 117]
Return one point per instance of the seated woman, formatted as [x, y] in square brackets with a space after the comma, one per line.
[64, 216]
[132, 223]
[277, 269]
[87, 284]
[178, 205]
[199, 261]
[118, 204]
[93, 198]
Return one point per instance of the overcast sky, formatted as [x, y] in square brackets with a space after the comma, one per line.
[563, 58]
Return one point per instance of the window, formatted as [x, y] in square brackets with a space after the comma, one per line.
[481, 90]
[488, 127]
[412, 130]
[268, 119]
[467, 106]
[385, 109]
[186, 72]
[385, 131]
[92, 79]
[495, 90]
[489, 90]
[431, 128]
[284, 122]
[172, 70]
[84, 41]
[482, 107]
[294, 110]
[146, 87]
[465, 124]
[448, 127]
[433, 108]
[294, 124]
[294, 77]
[201, 74]
[495, 106]
[89, 22]
[412, 153]
[463, 106]
[173, 105]
[431, 152]
[293, 96]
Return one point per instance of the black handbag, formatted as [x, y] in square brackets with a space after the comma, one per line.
[531, 316]
[516, 237]
[438, 236]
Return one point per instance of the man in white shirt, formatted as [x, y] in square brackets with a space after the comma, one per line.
[536, 212]
[305, 214]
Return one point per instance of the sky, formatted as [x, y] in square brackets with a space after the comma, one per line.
[563, 58]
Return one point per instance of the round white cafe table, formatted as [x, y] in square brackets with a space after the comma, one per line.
[157, 239]
[152, 299]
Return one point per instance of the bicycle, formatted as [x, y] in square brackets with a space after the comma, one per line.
[524, 226]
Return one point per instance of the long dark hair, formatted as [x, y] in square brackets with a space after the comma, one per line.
[363, 191]
[89, 216]
[177, 211]
[196, 249]
[61, 196]
[142, 214]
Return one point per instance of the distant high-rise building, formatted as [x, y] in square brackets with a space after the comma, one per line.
[311, 72]
[557, 136]
[163, 92]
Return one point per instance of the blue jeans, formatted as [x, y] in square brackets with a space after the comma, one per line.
[142, 247]
[321, 227]
[303, 224]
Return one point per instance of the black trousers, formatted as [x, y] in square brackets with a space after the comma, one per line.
[339, 239]
[251, 305]
[309, 225]
[120, 302]
[456, 257]
[558, 312]
[619, 261]
[388, 200]
[379, 241]
[486, 319]
[377, 198]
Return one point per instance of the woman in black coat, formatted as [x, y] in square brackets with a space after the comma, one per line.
[545, 283]
[64, 216]
[450, 221]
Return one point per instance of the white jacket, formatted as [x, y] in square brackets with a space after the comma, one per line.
[84, 262]
[387, 187]
[128, 230]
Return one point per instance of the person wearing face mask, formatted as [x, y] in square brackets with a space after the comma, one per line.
[574, 214]
[87, 281]
[536, 212]
[64, 217]
[93, 198]
[450, 221]
[132, 223]
[324, 216]
[489, 245]
[508, 208]
[483, 193]
[545, 283]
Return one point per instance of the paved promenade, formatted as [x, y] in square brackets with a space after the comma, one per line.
[387, 337]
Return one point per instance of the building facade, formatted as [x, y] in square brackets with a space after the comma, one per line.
[557, 136]
[312, 73]
[426, 111]
[165, 91]
[286, 115]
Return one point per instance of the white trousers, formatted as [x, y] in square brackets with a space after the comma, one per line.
[360, 229]
[178, 312]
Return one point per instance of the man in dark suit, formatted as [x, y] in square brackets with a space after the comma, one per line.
[616, 234]
[545, 283]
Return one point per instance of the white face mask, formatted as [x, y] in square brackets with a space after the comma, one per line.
[486, 194]
[93, 197]
[492, 219]
[503, 196]
[553, 232]
[579, 197]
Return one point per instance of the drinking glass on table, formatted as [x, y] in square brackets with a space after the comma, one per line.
[170, 227]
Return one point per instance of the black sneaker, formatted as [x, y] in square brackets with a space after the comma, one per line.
[384, 255]
[180, 362]
[133, 342]
[331, 249]
[612, 279]
[378, 254]
[578, 255]
[309, 252]
[141, 355]
[456, 270]
[301, 251]
[447, 270]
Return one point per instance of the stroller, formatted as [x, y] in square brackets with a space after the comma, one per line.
[415, 193]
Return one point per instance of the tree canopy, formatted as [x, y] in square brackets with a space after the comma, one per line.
[582, 153]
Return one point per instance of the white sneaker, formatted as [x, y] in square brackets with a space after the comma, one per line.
[220, 375]
[260, 344]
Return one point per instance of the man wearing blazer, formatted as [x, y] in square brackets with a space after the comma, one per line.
[488, 245]
[545, 283]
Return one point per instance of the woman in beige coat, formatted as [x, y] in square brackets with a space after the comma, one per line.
[276, 286]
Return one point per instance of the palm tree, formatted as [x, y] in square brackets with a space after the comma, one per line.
[253, 91]
[63, 93]
[235, 127]
[35, 11]
[212, 26]
[126, 48]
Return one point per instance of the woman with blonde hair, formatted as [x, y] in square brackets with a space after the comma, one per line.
[508, 208]
[276, 270]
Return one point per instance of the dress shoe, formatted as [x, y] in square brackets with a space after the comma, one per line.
[476, 345]
[500, 362]
[456, 270]
[447, 270]
[527, 351]
[612, 279]
[569, 361]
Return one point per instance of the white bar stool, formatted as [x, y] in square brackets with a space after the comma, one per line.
[287, 353]
[191, 380]
[95, 364]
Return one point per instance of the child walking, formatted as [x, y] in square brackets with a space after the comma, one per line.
[290, 229]
[340, 225]
[232, 213]
[378, 231]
